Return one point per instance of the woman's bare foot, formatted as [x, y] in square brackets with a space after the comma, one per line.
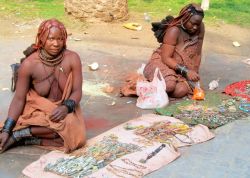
[8, 144]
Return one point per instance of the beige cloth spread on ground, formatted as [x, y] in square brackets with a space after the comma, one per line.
[37, 111]
[168, 154]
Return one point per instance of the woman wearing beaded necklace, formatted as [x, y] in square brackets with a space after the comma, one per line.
[179, 55]
[45, 109]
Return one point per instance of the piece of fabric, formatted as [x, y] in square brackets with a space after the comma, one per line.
[217, 110]
[240, 89]
[197, 134]
[37, 111]
[129, 87]
[186, 55]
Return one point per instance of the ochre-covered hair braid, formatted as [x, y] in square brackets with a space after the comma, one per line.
[159, 28]
[43, 32]
[186, 13]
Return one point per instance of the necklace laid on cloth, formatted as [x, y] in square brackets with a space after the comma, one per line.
[126, 171]
[164, 132]
[50, 60]
[129, 162]
[115, 173]
[143, 141]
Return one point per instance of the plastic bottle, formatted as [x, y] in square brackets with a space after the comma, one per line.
[199, 94]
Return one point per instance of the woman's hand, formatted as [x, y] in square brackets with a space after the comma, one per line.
[59, 113]
[193, 76]
[4, 136]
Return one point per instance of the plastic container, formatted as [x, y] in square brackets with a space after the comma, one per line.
[199, 93]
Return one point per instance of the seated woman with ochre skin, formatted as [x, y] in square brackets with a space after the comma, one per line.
[45, 109]
[179, 55]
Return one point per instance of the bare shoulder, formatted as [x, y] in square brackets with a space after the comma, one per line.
[72, 56]
[28, 66]
[202, 27]
[202, 30]
[172, 35]
[173, 30]
[30, 61]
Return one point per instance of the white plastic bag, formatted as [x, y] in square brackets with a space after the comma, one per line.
[141, 69]
[152, 94]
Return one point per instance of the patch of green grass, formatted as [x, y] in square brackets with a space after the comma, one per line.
[26, 10]
[229, 11]
[158, 8]
[32, 9]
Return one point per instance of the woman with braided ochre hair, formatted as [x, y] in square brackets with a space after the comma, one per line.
[179, 55]
[45, 109]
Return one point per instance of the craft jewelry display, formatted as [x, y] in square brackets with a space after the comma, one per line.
[133, 171]
[124, 172]
[164, 132]
[143, 141]
[212, 117]
[92, 158]
[245, 107]
[129, 162]
[121, 171]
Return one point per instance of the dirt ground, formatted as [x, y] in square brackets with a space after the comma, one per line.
[115, 40]
[120, 50]
[218, 37]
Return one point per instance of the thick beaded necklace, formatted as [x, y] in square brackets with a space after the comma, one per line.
[50, 60]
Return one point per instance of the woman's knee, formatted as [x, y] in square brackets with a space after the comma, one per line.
[170, 86]
[181, 90]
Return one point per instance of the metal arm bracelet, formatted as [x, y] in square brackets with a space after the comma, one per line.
[70, 104]
[9, 124]
[181, 69]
